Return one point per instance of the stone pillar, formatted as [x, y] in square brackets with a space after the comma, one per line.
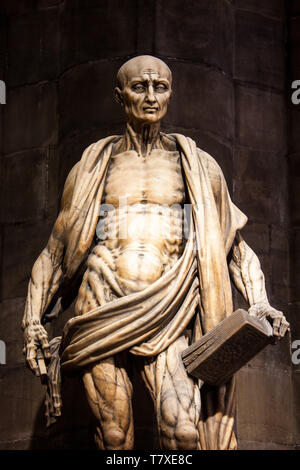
[261, 191]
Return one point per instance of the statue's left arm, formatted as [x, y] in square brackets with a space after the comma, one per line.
[249, 279]
[244, 265]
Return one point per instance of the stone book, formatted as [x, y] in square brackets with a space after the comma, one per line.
[226, 348]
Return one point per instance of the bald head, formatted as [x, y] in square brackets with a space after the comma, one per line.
[144, 89]
[141, 65]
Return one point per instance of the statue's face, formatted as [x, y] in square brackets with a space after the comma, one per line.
[146, 91]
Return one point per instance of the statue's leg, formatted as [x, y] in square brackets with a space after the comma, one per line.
[176, 398]
[109, 393]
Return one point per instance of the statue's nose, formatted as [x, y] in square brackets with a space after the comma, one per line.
[150, 97]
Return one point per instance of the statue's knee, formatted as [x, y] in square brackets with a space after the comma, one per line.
[187, 436]
[114, 438]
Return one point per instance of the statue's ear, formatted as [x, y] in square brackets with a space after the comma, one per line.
[119, 96]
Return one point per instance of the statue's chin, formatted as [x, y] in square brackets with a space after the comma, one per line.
[146, 118]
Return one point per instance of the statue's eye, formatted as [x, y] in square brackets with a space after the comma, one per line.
[160, 87]
[138, 87]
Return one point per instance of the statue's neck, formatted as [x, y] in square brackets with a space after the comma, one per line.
[142, 139]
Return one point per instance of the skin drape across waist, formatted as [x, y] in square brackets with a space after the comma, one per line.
[146, 322]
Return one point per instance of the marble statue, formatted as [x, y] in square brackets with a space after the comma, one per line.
[147, 219]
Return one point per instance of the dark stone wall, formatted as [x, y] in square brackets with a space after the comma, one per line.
[229, 62]
[294, 184]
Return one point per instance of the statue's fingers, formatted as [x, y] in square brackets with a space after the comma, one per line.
[56, 401]
[284, 327]
[276, 325]
[272, 313]
[46, 350]
[31, 359]
[45, 347]
[57, 406]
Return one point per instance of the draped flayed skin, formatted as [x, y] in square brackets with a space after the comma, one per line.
[145, 322]
[197, 287]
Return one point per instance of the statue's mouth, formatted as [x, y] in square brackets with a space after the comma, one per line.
[150, 109]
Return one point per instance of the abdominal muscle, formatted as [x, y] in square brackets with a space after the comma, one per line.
[140, 262]
[148, 240]
[140, 239]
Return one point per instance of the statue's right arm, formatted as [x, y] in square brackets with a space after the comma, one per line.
[46, 277]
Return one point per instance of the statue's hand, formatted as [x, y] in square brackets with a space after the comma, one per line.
[35, 339]
[263, 310]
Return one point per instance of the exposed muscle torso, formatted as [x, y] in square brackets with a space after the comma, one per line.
[140, 231]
